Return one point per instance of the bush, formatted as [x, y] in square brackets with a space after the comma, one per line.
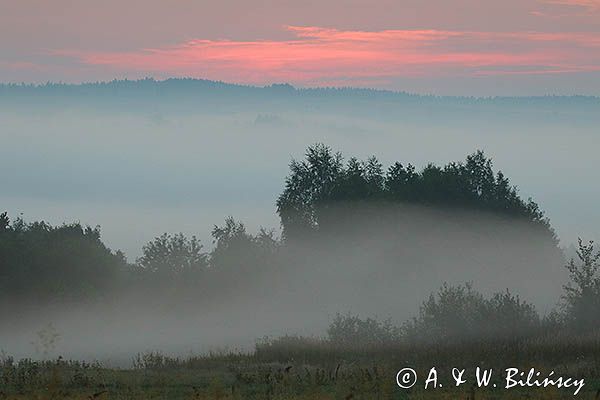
[582, 294]
[459, 313]
[351, 330]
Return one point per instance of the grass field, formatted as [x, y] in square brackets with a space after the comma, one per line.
[298, 368]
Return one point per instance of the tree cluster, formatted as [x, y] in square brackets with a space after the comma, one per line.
[323, 181]
[47, 262]
[322, 195]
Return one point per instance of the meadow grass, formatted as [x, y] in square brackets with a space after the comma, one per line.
[309, 368]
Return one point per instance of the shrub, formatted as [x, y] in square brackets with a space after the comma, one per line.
[351, 330]
[459, 313]
[582, 294]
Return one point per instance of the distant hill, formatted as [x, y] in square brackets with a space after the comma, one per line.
[202, 87]
[199, 95]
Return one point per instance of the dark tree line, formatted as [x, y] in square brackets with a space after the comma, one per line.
[322, 196]
[43, 261]
[322, 180]
[40, 262]
[198, 88]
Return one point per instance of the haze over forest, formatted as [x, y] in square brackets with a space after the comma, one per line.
[284, 200]
[141, 158]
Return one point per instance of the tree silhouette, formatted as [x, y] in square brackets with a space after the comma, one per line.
[68, 261]
[174, 255]
[238, 251]
[310, 182]
[582, 294]
[321, 181]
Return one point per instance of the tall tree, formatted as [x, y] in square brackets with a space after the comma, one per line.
[310, 182]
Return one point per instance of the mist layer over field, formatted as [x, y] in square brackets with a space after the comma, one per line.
[380, 270]
[140, 167]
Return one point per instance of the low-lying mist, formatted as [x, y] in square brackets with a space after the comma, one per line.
[372, 269]
[143, 158]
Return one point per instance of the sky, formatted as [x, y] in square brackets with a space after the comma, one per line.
[457, 47]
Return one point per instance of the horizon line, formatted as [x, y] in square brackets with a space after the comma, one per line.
[37, 85]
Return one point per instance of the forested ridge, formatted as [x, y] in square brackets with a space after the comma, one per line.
[188, 88]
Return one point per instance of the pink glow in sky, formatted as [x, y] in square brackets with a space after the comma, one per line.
[318, 55]
[443, 46]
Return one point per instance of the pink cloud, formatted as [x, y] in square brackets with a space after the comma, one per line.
[319, 56]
